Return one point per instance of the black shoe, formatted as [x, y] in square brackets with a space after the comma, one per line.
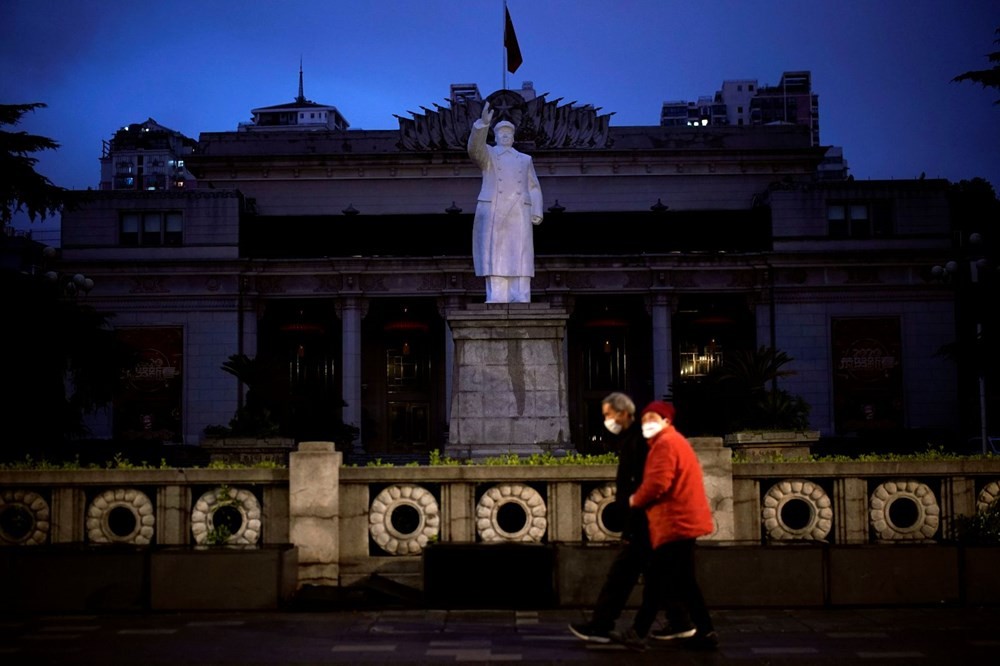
[588, 632]
[630, 639]
[708, 640]
[671, 633]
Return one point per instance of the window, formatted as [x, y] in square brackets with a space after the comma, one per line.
[151, 229]
[859, 219]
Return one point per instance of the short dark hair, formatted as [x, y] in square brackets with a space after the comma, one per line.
[619, 402]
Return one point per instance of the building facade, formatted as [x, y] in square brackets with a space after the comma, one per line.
[339, 256]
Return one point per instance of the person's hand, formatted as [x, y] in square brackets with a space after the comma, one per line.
[536, 219]
[487, 116]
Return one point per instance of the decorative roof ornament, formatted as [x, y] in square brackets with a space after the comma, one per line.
[540, 122]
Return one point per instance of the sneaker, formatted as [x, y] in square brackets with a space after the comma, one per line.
[671, 633]
[586, 631]
[708, 640]
[630, 639]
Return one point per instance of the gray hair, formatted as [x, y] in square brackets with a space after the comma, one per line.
[619, 402]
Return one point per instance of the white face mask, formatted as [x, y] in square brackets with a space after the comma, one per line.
[651, 428]
[613, 426]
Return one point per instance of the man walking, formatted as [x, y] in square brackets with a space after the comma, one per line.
[672, 494]
[619, 418]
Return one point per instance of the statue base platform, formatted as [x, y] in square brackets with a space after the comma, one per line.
[509, 382]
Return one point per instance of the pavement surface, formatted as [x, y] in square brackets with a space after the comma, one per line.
[939, 635]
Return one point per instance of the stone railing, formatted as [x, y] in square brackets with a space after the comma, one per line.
[351, 523]
[859, 502]
[166, 507]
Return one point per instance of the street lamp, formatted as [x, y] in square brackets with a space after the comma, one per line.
[70, 285]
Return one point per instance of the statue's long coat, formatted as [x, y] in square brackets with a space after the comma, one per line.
[502, 243]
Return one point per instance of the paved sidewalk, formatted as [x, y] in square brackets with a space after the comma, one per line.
[804, 636]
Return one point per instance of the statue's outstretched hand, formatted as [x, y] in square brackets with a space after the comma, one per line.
[487, 116]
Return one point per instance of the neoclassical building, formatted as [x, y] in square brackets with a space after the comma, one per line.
[343, 258]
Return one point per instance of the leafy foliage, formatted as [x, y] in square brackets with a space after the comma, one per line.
[980, 529]
[988, 78]
[23, 188]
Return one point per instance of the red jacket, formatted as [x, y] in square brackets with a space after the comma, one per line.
[673, 490]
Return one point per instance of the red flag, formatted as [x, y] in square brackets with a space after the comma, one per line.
[510, 43]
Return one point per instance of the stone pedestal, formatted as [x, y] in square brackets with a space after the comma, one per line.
[509, 381]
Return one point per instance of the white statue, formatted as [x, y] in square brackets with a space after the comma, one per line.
[510, 202]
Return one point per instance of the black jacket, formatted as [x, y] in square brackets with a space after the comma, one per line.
[632, 450]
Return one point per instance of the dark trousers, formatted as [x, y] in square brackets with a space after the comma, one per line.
[671, 583]
[624, 573]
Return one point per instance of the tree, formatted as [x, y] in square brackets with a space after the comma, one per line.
[59, 358]
[21, 187]
[988, 78]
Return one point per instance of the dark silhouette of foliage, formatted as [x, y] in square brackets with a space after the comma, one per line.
[21, 187]
[740, 395]
[988, 78]
[253, 418]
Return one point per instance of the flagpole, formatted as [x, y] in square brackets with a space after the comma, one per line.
[503, 45]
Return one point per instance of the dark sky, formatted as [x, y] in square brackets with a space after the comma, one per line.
[882, 68]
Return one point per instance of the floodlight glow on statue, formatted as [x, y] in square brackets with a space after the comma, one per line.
[509, 203]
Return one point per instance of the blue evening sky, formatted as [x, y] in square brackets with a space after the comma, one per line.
[882, 68]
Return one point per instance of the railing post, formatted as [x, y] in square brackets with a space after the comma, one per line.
[850, 513]
[172, 520]
[958, 499]
[458, 512]
[314, 511]
[69, 507]
[564, 509]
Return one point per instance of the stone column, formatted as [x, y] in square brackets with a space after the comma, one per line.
[314, 511]
[662, 346]
[509, 381]
[350, 313]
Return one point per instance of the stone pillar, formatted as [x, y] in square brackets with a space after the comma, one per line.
[350, 314]
[958, 500]
[717, 470]
[67, 511]
[564, 505]
[449, 368]
[662, 346]
[850, 510]
[746, 510]
[172, 518]
[314, 511]
[509, 381]
[459, 513]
